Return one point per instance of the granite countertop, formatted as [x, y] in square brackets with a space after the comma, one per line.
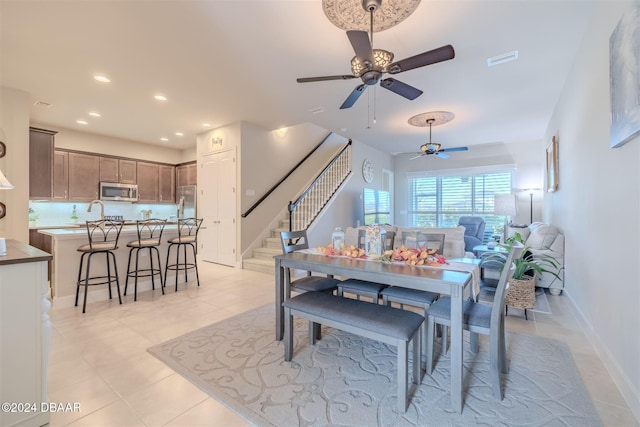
[18, 252]
[80, 225]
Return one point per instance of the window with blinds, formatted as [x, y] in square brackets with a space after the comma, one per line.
[440, 200]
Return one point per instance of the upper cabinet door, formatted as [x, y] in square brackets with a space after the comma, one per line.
[167, 183]
[147, 182]
[109, 170]
[128, 172]
[84, 177]
[41, 146]
[187, 174]
[60, 175]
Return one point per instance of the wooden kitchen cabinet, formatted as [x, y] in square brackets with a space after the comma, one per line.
[148, 188]
[41, 146]
[84, 177]
[187, 174]
[60, 177]
[167, 183]
[42, 242]
[118, 170]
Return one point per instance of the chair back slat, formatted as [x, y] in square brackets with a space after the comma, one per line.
[150, 229]
[497, 311]
[293, 241]
[189, 227]
[103, 231]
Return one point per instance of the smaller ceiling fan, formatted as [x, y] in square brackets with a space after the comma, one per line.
[434, 149]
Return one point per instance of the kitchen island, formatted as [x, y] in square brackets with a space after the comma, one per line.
[25, 334]
[66, 261]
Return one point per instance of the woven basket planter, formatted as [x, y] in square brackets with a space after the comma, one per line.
[521, 293]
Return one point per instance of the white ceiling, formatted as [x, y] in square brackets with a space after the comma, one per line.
[224, 61]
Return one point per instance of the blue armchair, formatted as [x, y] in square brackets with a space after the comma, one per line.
[473, 231]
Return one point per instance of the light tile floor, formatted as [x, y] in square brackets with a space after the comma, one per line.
[99, 359]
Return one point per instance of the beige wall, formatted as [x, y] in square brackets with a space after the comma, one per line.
[14, 121]
[84, 141]
[597, 206]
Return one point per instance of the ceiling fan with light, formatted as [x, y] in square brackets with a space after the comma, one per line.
[370, 64]
[435, 149]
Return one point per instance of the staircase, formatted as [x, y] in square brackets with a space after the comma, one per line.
[263, 256]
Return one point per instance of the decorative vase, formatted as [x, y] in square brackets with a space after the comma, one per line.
[337, 238]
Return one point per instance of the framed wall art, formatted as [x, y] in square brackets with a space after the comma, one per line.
[552, 165]
[624, 78]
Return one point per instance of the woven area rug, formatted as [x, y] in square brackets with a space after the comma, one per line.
[346, 380]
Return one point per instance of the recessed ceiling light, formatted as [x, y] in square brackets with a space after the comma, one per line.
[101, 78]
[207, 125]
[179, 134]
[164, 139]
[160, 97]
[82, 122]
[94, 114]
[502, 58]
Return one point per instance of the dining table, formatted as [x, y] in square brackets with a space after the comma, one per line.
[441, 279]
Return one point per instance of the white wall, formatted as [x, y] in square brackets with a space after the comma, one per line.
[526, 157]
[597, 206]
[346, 209]
[14, 121]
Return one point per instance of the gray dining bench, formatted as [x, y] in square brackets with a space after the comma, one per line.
[382, 323]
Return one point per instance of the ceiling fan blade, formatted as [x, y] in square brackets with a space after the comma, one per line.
[353, 96]
[454, 149]
[441, 155]
[324, 78]
[402, 89]
[361, 45]
[434, 56]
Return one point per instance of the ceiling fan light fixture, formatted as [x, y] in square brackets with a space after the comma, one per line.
[382, 58]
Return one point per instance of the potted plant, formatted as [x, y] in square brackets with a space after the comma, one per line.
[521, 292]
[33, 217]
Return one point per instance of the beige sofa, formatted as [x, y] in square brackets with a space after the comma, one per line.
[453, 238]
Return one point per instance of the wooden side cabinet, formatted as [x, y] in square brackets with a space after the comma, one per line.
[41, 146]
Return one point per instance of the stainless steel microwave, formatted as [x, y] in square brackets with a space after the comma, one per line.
[119, 192]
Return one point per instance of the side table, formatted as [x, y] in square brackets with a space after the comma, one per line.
[489, 271]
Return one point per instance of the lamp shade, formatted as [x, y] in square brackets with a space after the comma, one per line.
[4, 182]
[505, 204]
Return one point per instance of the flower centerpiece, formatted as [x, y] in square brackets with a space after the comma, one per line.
[413, 256]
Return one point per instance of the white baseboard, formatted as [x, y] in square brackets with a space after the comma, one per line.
[630, 394]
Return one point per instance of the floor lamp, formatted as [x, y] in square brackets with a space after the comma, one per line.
[505, 204]
[531, 191]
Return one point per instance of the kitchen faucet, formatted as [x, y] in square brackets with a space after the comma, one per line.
[101, 207]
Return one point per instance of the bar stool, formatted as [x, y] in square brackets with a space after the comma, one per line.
[187, 236]
[149, 238]
[103, 239]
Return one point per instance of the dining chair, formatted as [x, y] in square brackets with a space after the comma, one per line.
[414, 297]
[478, 318]
[363, 288]
[149, 238]
[297, 240]
[103, 239]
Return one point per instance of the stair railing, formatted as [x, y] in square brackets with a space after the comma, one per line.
[306, 208]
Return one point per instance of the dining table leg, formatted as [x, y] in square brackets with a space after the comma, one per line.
[279, 300]
[456, 348]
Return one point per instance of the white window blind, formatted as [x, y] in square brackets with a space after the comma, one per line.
[440, 199]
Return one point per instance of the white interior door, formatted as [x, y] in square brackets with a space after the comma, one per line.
[218, 204]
